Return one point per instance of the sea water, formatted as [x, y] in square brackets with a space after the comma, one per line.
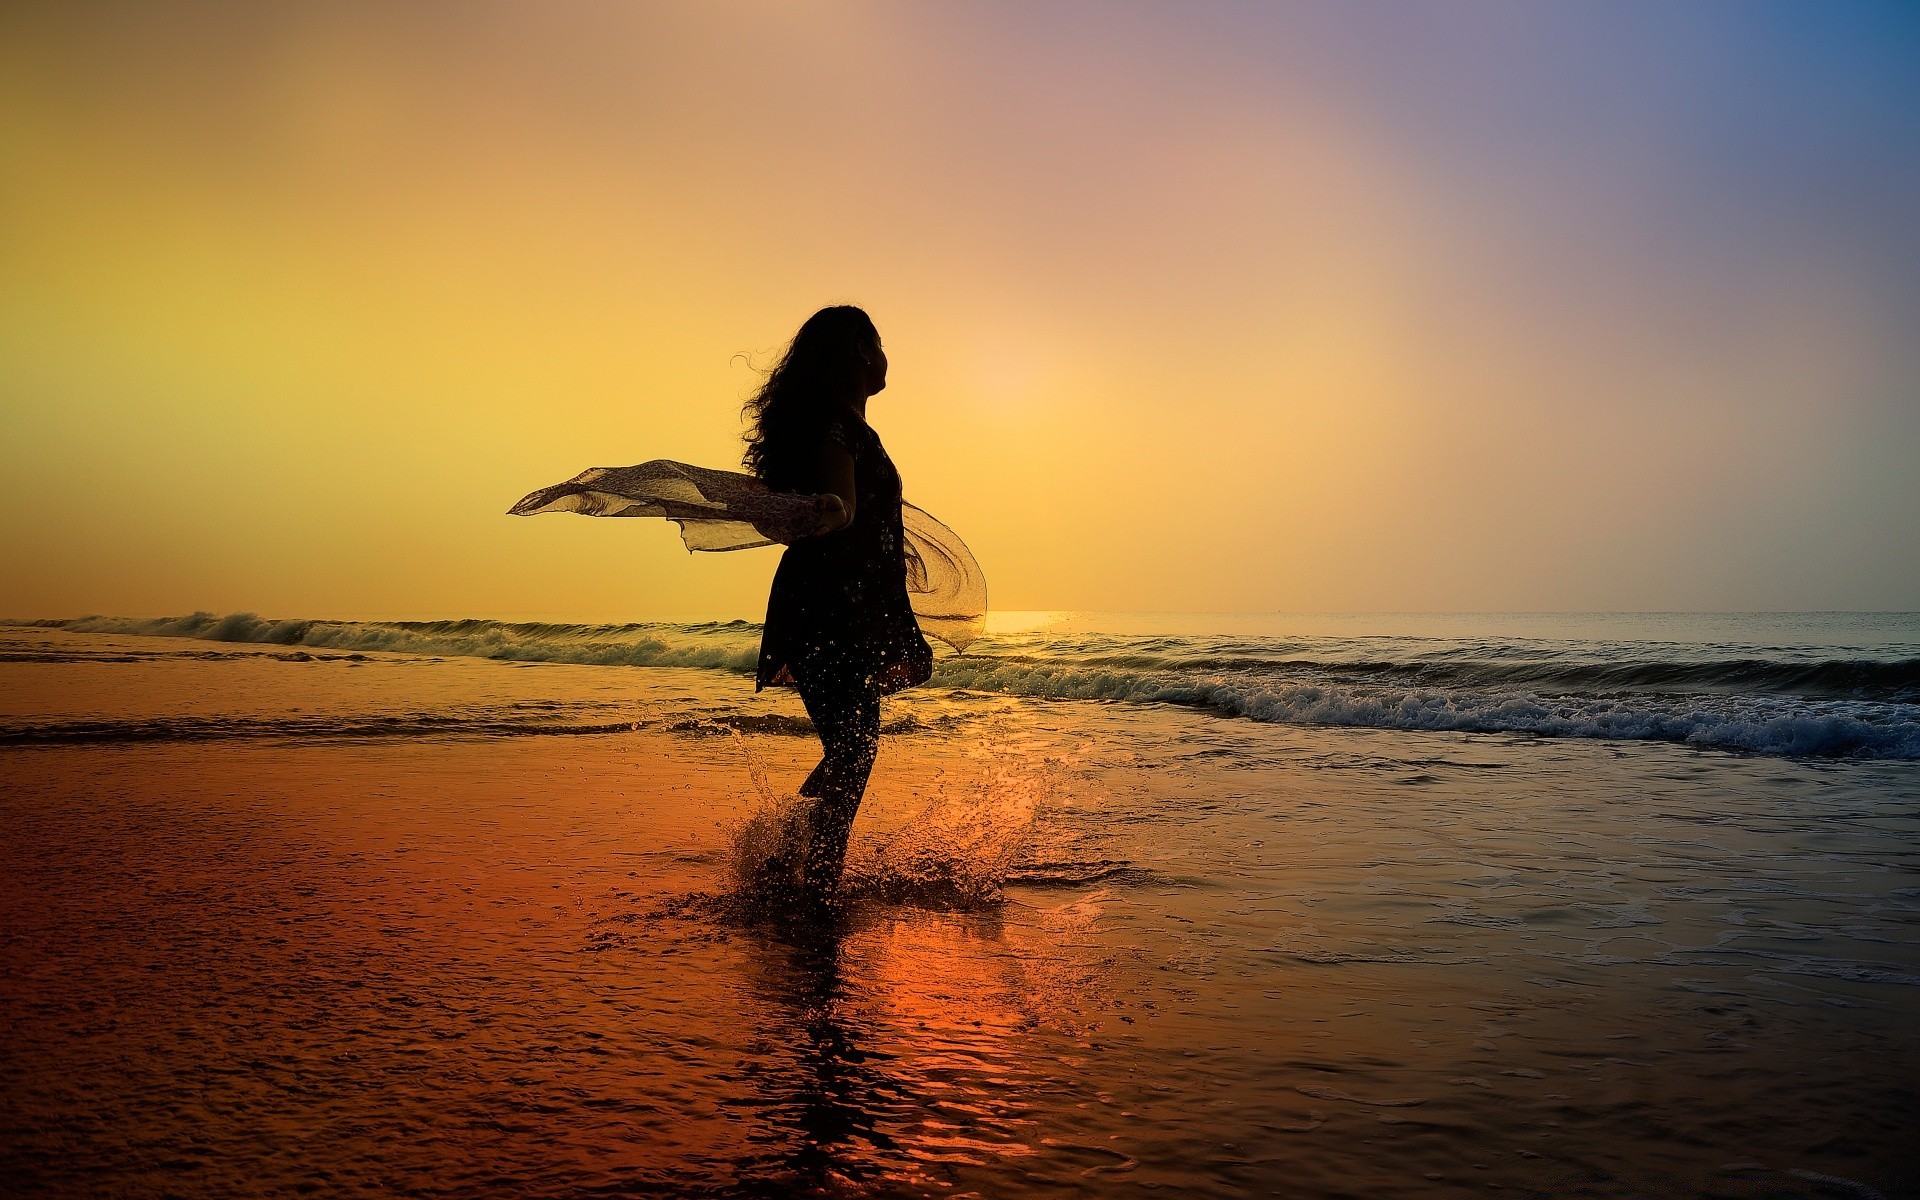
[1200, 905]
[1801, 684]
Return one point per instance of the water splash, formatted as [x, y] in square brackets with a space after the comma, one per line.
[767, 848]
[957, 853]
[766, 851]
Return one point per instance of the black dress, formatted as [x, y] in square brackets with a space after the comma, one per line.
[838, 614]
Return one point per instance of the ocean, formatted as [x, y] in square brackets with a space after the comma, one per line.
[1841, 685]
[1194, 904]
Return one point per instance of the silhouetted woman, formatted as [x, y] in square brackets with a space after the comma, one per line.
[839, 626]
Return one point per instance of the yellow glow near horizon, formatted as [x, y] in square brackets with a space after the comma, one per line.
[297, 300]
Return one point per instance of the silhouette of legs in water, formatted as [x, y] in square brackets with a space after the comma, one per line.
[846, 714]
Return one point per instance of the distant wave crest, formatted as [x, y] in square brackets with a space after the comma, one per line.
[720, 645]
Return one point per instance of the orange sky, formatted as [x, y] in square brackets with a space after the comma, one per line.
[1196, 307]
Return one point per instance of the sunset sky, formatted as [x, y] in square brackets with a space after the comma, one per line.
[1417, 306]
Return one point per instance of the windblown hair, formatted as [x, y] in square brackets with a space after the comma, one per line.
[805, 390]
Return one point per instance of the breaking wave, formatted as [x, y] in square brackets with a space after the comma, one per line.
[1786, 700]
[1782, 725]
[717, 645]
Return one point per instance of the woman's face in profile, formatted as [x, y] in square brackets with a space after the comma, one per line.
[874, 367]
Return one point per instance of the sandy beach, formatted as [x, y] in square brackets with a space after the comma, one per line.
[1211, 957]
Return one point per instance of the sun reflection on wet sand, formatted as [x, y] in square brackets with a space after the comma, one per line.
[901, 1051]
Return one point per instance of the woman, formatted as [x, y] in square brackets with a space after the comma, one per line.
[839, 626]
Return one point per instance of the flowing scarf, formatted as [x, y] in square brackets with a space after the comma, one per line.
[726, 510]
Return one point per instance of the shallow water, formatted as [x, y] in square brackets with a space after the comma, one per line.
[338, 927]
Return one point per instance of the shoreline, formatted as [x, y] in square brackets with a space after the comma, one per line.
[1228, 957]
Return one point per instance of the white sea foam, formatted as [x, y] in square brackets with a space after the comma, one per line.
[1801, 701]
[1763, 724]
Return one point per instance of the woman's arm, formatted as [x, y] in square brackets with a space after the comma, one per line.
[833, 471]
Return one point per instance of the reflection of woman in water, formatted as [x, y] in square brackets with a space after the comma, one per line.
[839, 624]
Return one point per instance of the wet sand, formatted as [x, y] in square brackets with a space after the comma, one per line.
[471, 969]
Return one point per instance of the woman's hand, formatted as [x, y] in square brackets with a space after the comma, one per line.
[830, 513]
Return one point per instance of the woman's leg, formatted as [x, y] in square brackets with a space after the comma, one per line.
[846, 714]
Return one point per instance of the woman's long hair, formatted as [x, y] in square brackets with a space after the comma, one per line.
[807, 388]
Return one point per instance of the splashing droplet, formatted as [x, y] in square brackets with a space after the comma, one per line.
[957, 853]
